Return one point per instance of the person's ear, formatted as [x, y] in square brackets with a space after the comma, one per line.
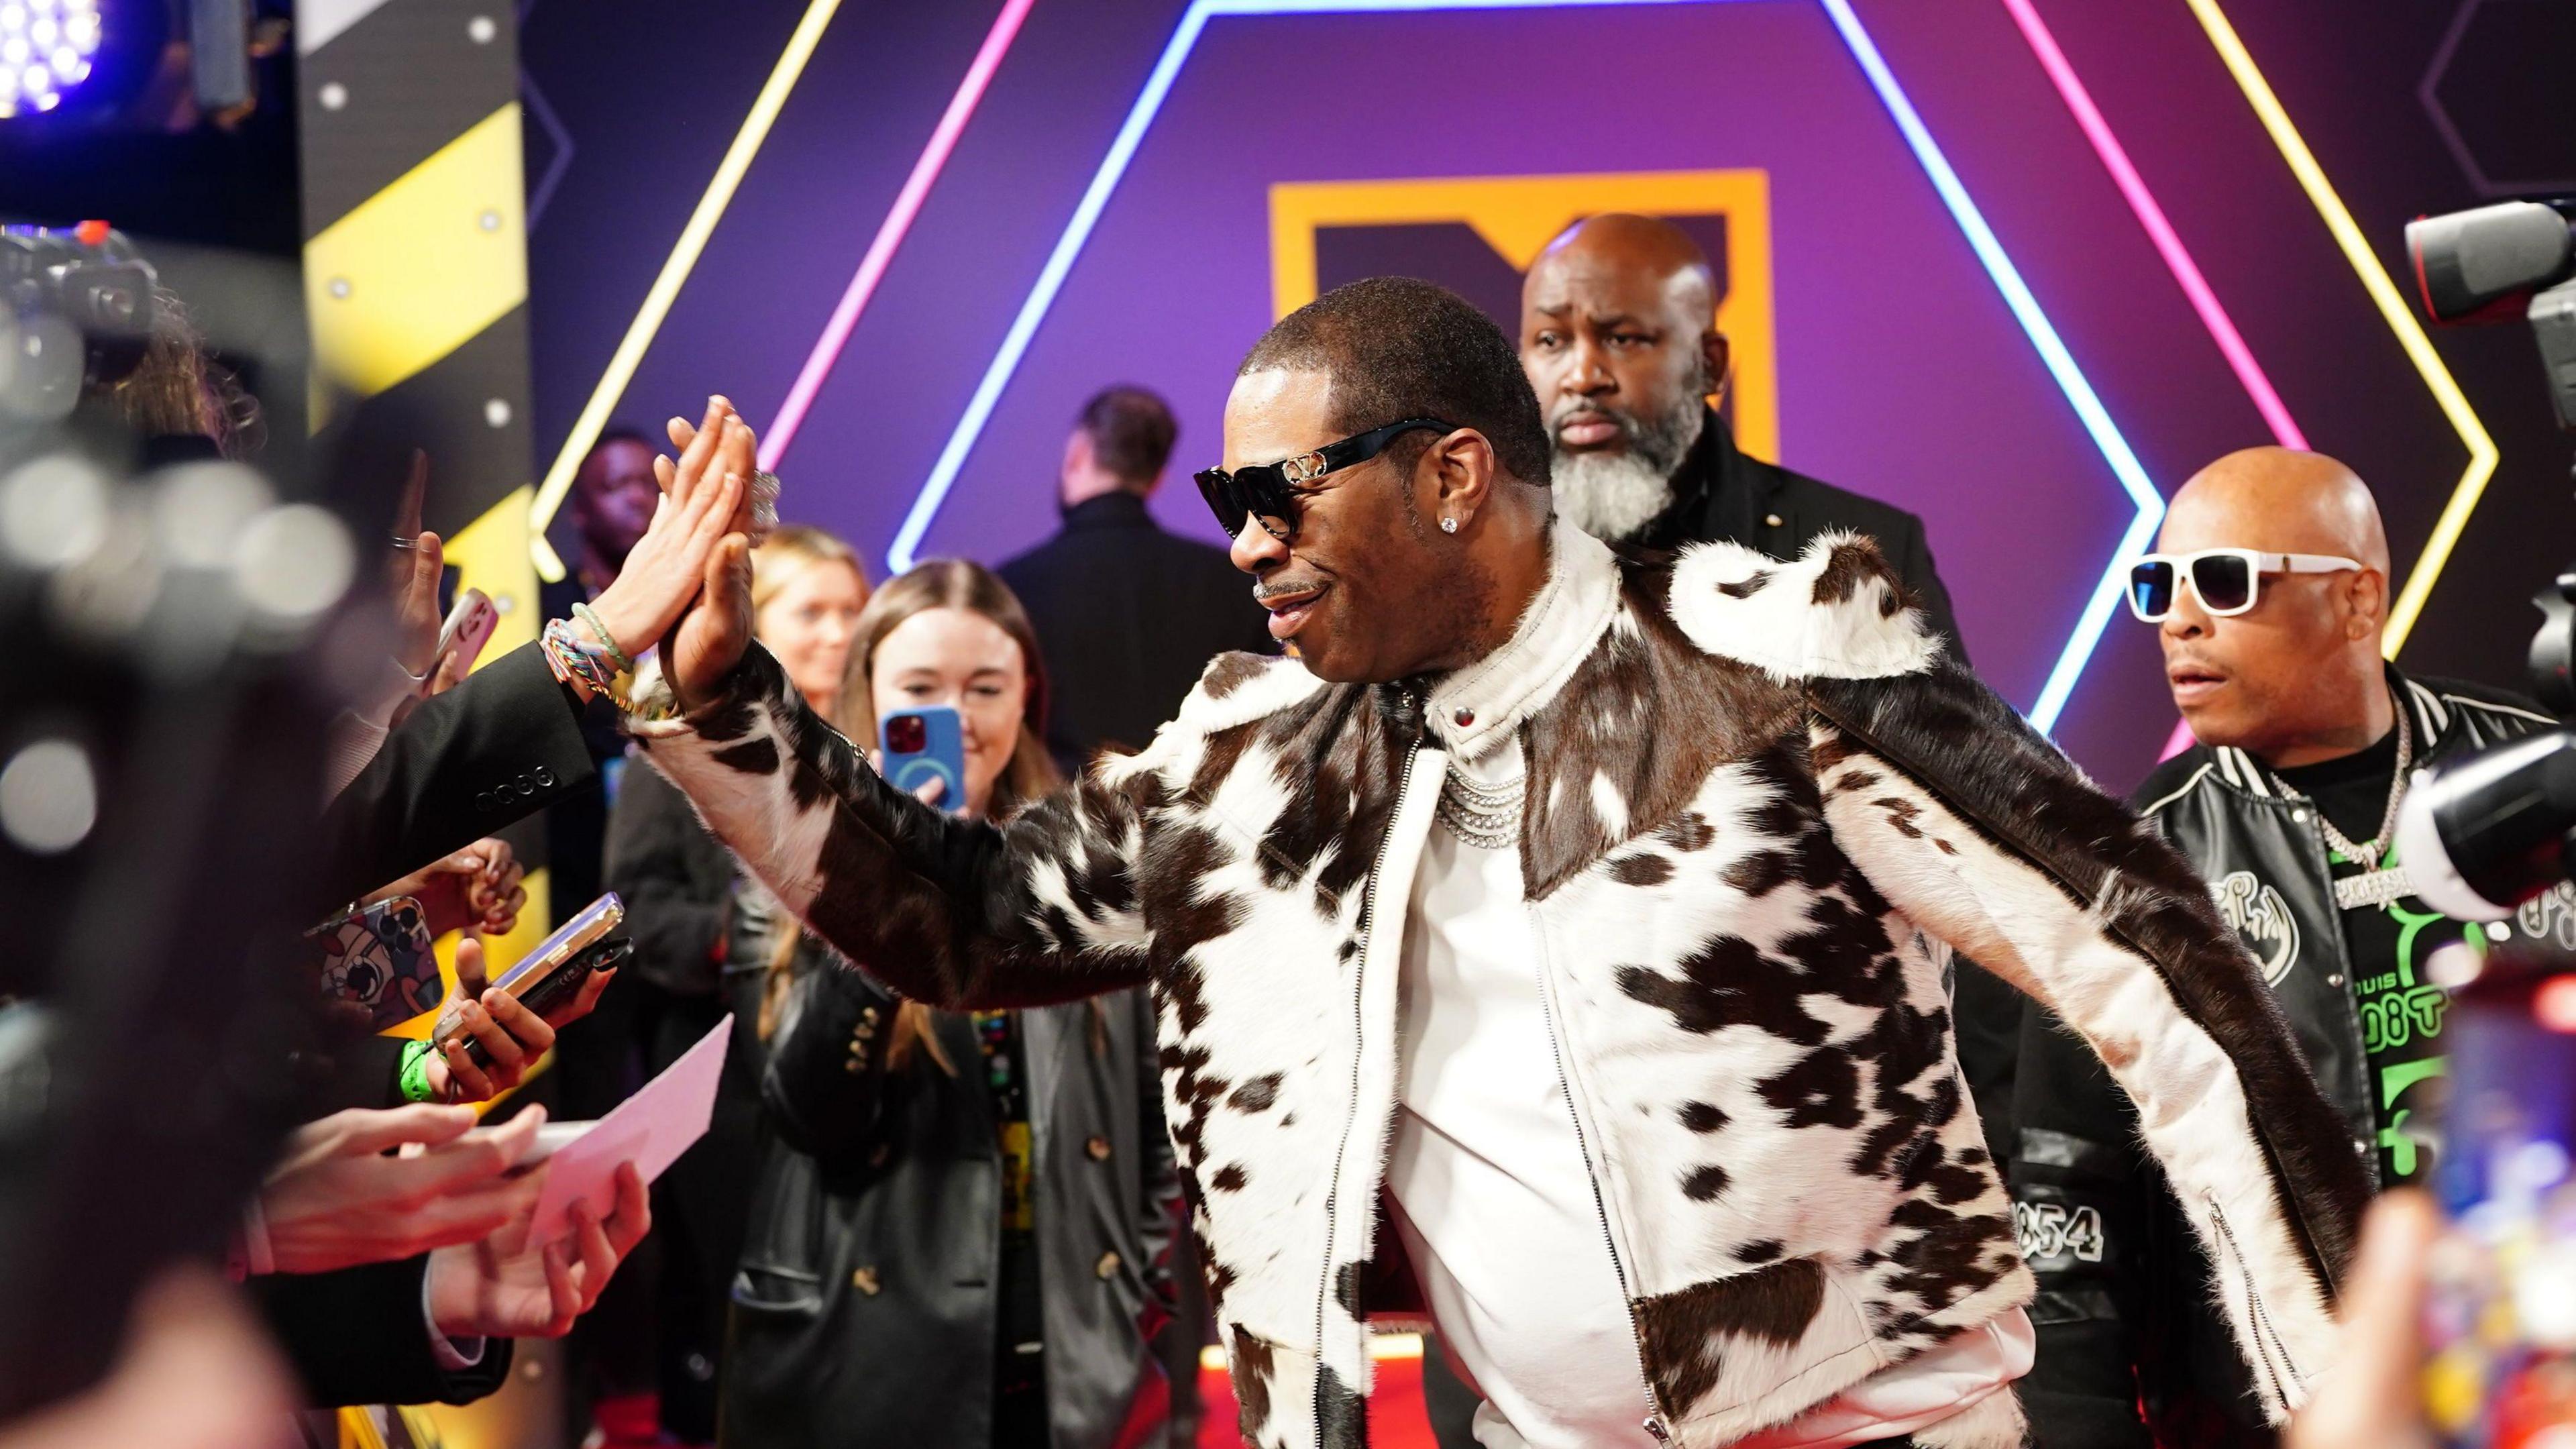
[1713, 350]
[1458, 473]
[2367, 601]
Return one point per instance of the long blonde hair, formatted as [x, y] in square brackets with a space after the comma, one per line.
[945, 583]
[792, 550]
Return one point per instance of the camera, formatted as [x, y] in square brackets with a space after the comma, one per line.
[76, 310]
[2490, 832]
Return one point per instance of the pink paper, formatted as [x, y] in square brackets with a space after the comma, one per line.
[650, 1129]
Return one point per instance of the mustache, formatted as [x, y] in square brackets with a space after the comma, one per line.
[1568, 407]
[1269, 589]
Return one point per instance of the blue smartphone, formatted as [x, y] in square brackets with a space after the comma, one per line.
[922, 745]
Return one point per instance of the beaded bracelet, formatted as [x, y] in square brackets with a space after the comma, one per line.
[571, 657]
[589, 616]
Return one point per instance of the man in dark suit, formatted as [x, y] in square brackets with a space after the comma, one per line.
[1127, 614]
[1619, 339]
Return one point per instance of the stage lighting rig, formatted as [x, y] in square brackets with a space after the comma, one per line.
[48, 48]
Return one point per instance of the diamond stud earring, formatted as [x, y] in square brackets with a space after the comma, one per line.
[1448, 525]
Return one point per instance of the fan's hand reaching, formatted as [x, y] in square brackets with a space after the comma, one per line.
[702, 495]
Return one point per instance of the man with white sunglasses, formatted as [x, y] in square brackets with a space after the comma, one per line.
[2269, 592]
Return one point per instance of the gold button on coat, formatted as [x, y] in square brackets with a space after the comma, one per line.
[1107, 1269]
[865, 1280]
[1098, 1147]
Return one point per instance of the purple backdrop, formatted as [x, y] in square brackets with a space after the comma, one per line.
[1901, 371]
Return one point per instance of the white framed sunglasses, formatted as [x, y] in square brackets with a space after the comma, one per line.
[2227, 581]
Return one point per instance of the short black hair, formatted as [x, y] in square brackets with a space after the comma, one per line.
[1131, 433]
[1400, 347]
[622, 433]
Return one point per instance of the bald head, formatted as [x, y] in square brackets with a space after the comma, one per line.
[1645, 249]
[2279, 500]
[2297, 678]
[1620, 341]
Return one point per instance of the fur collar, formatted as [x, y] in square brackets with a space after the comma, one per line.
[1477, 708]
[1837, 611]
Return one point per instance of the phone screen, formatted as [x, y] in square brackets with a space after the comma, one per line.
[596, 920]
[2501, 1310]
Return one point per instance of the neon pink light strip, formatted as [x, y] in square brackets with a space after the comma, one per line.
[2180, 740]
[890, 232]
[2186, 272]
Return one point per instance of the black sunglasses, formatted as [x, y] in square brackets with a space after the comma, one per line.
[1268, 491]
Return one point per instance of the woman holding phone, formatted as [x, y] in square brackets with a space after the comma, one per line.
[962, 1229]
[702, 933]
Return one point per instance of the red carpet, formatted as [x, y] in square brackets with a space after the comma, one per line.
[1395, 1411]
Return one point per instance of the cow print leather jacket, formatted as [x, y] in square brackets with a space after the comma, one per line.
[1762, 811]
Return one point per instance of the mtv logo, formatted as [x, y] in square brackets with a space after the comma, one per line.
[1478, 235]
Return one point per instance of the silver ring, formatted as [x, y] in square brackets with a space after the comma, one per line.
[406, 544]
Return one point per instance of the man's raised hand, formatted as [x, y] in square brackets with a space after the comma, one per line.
[702, 494]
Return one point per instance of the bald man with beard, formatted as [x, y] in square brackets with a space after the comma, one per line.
[2269, 591]
[1619, 338]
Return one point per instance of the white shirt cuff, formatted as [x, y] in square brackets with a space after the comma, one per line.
[447, 1352]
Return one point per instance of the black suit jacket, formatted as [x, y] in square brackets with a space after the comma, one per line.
[358, 1336]
[1720, 492]
[1127, 617]
[502, 745]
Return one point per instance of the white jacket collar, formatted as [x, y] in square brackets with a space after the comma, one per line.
[1474, 708]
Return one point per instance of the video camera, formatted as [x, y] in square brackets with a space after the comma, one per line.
[76, 310]
[2490, 832]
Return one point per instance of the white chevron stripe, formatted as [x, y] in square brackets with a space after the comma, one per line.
[318, 22]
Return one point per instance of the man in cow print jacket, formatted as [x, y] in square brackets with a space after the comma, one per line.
[1567, 936]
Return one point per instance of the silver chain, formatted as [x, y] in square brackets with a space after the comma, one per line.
[2369, 854]
[1485, 816]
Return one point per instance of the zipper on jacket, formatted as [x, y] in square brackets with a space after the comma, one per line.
[2267, 1339]
[1359, 1026]
[1654, 1422]
[2320, 861]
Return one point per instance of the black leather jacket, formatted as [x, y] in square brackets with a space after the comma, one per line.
[2122, 1312]
[864, 1311]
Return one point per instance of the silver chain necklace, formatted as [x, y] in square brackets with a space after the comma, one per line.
[2374, 887]
[1485, 816]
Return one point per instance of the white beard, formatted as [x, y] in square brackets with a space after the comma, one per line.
[1611, 496]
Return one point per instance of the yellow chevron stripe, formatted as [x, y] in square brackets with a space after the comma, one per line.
[493, 553]
[422, 265]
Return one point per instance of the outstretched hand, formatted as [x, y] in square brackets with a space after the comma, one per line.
[412, 575]
[680, 552]
[337, 1199]
[717, 628]
[506, 1287]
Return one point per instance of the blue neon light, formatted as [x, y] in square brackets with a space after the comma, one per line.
[2052, 351]
[1972, 223]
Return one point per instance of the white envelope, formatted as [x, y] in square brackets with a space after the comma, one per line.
[650, 1129]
